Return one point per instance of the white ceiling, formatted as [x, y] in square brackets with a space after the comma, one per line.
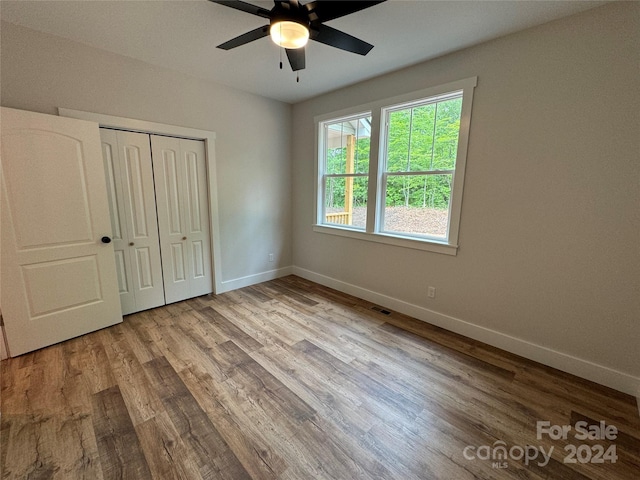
[182, 35]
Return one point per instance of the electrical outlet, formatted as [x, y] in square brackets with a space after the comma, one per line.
[431, 292]
[271, 257]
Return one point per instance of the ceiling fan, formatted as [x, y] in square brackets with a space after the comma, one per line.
[292, 24]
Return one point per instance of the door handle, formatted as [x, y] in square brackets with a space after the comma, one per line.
[105, 240]
[184, 238]
[131, 244]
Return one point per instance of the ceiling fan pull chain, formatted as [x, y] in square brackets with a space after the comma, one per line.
[281, 48]
[297, 78]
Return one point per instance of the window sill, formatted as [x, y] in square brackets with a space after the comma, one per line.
[389, 239]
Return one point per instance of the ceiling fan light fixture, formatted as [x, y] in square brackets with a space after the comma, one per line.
[288, 34]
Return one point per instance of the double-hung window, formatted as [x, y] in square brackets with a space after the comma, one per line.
[393, 171]
[346, 170]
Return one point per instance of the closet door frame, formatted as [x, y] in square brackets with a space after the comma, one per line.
[142, 126]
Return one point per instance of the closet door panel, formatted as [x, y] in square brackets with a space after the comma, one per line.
[113, 176]
[177, 263]
[139, 196]
[140, 257]
[138, 192]
[198, 232]
[169, 181]
[173, 204]
[122, 267]
[183, 216]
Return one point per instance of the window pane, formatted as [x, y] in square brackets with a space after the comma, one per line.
[424, 138]
[422, 123]
[347, 145]
[417, 204]
[446, 138]
[346, 201]
[398, 140]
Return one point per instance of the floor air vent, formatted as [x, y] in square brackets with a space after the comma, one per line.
[381, 310]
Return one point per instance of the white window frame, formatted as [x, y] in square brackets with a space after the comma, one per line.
[375, 201]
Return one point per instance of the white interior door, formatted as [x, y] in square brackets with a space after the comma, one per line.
[58, 277]
[127, 159]
[180, 175]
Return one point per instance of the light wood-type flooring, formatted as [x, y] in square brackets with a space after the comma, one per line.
[292, 380]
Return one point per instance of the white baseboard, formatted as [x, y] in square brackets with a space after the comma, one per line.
[582, 368]
[228, 285]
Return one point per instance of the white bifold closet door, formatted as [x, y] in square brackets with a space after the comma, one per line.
[183, 216]
[130, 188]
[158, 195]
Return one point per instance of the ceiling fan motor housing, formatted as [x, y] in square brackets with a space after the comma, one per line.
[282, 14]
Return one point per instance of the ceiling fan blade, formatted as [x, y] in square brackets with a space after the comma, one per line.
[244, 7]
[335, 38]
[296, 58]
[256, 34]
[325, 10]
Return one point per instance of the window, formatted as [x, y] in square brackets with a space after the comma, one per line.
[346, 170]
[393, 172]
[421, 144]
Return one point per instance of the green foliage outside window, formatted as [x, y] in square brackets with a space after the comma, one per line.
[336, 161]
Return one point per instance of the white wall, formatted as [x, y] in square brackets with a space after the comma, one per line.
[549, 258]
[41, 72]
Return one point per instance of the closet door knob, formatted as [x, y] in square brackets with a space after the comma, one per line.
[105, 240]
[131, 244]
[184, 238]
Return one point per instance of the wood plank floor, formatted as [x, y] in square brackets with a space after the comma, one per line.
[292, 380]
